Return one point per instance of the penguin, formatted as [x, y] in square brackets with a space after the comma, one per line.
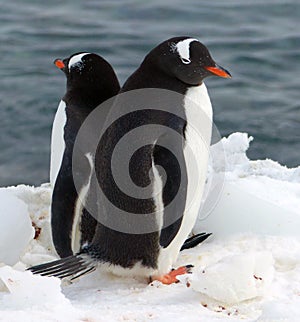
[178, 65]
[90, 81]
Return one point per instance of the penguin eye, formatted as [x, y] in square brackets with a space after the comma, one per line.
[185, 60]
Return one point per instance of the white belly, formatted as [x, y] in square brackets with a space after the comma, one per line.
[198, 111]
[57, 141]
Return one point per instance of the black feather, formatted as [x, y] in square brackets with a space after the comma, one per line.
[74, 266]
[195, 240]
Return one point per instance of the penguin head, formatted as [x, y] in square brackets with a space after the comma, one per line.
[86, 70]
[74, 65]
[186, 59]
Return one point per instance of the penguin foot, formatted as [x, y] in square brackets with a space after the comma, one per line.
[170, 278]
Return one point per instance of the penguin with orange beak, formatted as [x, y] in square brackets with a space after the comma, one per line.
[179, 65]
[91, 80]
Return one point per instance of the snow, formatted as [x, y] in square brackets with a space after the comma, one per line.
[248, 270]
[219, 281]
[259, 196]
[16, 229]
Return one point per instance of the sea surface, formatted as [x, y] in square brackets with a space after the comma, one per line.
[257, 41]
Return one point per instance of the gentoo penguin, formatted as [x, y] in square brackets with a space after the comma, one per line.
[90, 81]
[178, 65]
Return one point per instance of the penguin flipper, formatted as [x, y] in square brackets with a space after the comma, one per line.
[194, 240]
[173, 197]
[74, 266]
[71, 224]
[62, 214]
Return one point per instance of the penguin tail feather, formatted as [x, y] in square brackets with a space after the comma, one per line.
[195, 240]
[72, 266]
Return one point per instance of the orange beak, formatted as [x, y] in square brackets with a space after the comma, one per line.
[59, 63]
[218, 71]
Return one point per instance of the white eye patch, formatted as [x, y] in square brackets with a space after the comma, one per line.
[75, 60]
[183, 49]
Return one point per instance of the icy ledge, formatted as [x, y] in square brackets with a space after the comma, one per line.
[248, 271]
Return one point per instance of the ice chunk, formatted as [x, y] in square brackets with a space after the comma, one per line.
[15, 227]
[235, 278]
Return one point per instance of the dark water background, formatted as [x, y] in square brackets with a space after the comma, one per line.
[258, 41]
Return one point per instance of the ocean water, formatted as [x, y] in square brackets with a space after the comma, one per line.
[257, 41]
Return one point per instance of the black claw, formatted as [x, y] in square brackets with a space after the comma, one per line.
[189, 266]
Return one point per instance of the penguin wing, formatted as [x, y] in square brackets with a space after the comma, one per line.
[71, 224]
[168, 153]
[63, 207]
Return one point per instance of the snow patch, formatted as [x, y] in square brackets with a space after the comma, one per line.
[15, 227]
[251, 263]
[43, 291]
[236, 278]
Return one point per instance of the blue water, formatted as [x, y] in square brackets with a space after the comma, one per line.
[258, 41]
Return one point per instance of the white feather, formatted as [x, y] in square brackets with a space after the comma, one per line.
[57, 141]
[183, 49]
[157, 195]
[76, 60]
